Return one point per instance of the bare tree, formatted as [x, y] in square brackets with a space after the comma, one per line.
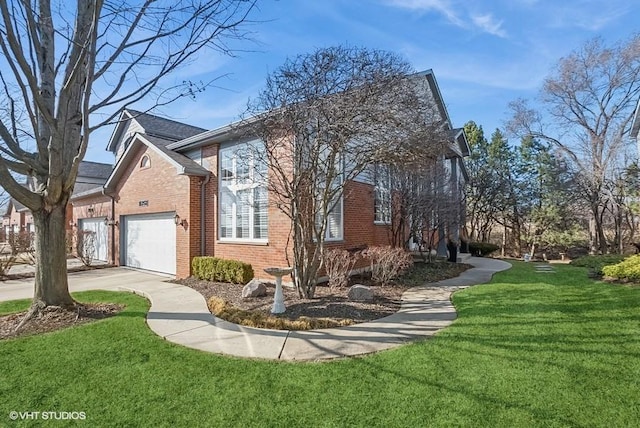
[86, 246]
[589, 101]
[422, 202]
[73, 66]
[323, 118]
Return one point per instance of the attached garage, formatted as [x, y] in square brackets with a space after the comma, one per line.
[149, 242]
[99, 228]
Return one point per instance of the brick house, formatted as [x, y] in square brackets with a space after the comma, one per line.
[178, 191]
[17, 218]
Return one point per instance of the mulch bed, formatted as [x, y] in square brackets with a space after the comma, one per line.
[333, 304]
[327, 303]
[55, 318]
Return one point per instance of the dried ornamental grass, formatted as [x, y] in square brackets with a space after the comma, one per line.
[228, 312]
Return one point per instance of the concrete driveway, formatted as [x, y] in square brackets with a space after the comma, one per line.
[98, 279]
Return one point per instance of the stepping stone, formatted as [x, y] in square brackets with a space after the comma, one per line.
[544, 268]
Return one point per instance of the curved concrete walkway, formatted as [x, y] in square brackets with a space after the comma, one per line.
[180, 315]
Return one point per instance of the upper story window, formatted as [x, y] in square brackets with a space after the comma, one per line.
[382, 195]
[145, 162]
[243, 193]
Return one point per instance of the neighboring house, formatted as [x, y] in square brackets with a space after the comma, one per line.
[91, 175]
[89, 183]
[179, 191]
[16, 218]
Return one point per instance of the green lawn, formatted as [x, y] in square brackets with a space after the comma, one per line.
[530, 349]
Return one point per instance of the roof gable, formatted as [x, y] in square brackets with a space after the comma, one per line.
[152, 125]
[183, 165]
[167, 129]
[437, 95]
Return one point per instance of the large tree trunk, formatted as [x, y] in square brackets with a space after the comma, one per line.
[51, 284]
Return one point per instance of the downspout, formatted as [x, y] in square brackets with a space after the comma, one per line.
[113, 226]
[203, 235]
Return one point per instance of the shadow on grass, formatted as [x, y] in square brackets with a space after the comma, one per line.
[454, 386]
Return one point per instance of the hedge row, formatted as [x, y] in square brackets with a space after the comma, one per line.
[220, 270]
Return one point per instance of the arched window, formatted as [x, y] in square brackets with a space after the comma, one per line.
[145, 162]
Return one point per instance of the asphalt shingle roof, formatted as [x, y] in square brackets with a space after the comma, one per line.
[189, 165]
[164, 128]
[94, 169]
[79, 188]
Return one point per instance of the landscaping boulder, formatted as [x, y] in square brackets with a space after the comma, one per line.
[254, 288]
[360, 293]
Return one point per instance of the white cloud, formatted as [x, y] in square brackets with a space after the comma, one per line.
[442, 6]
[489, 25]
[484, 22]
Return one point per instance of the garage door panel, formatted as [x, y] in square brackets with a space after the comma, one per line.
[99, 228]
[150, 242]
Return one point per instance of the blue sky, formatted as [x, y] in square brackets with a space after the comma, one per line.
[483, 53]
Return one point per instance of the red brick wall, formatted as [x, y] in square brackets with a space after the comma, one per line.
[165, 191]
[210, 161]
[359, 227]
[91, 207]
[259, 256]
[360, 231]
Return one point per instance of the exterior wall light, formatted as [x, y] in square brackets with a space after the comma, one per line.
[178, 222]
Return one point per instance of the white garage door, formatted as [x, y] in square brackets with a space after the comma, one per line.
[97, 226]
[150, 242]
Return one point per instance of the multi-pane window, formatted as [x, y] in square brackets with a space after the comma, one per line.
[382, 195]
[243, 193]
[334, 220]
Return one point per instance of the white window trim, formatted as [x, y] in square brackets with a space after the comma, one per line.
[326, 231]
[382, 222]
[235, 188]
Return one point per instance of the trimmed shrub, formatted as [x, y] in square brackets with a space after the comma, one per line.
[481, 249]
[628, 269]
[597, 263]
[235, 272]
[220, 270]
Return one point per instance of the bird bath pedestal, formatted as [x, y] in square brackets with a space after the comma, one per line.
[278, 298]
